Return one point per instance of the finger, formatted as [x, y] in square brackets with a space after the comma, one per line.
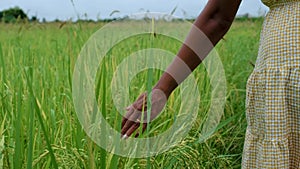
[138, 131]
[129, 122]
[126, 126]
[132, 129]
[137, 134]
[144, 127]
[123, 122]
[128, 108]
[124, 137]
[126, 117]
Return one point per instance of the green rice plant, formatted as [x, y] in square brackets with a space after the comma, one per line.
[40, 129]
[36, 108]
[2, 146]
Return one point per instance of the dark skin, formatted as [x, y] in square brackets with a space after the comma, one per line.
[214, 21]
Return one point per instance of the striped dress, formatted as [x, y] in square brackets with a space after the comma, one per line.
[273, 92]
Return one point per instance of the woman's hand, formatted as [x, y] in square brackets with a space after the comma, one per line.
[137, 112]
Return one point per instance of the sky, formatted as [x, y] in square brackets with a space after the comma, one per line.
[101, 9]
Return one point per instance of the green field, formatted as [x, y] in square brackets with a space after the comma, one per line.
[38, 124]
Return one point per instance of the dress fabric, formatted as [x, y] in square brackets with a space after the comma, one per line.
[273, 92]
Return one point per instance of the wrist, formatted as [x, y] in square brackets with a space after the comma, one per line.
[167, 90]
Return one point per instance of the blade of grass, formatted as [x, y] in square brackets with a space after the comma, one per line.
[90, 147]
[115, 159]
[221, 125]
[30, 135]
[149, 89]
[174, 10]
[40, 119]
[2, 64]
[103, 108]
[2, 147]
[30, 138]
[1, 151]
[18, 127]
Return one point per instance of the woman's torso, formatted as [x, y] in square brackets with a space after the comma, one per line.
[280, 36]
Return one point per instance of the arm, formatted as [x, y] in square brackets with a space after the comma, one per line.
[214, 21]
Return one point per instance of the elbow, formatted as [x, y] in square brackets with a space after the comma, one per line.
[214, 26]
[215, 29]
[216, 20]
[219, 27]
[223, 23]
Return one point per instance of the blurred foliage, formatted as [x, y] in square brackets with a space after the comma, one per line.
[13, 15]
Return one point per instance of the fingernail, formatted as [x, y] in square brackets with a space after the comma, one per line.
[124, 137]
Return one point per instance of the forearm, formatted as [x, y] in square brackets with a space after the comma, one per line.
[208, 29]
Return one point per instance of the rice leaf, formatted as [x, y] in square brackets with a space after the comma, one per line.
[40, 119]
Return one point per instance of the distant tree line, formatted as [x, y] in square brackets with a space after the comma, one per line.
[16, 14]
[13, 15]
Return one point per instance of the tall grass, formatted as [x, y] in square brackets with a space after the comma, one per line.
[38, 124]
